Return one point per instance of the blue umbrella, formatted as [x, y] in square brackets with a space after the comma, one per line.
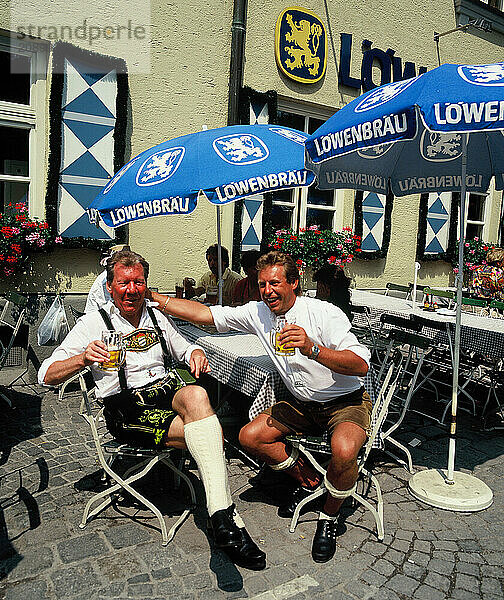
[440, 131]
[222, 165]
[437, 112]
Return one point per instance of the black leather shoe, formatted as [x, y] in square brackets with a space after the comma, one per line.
[247, 554]
[300, 493]
[223, 529]
[324, 541]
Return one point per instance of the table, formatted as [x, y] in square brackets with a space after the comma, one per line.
[239, 360]
[484, 335]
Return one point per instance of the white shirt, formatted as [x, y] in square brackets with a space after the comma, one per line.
[324, 323]
[144, 355]
[98, 295]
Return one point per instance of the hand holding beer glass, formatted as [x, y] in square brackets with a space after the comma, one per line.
[113, 340]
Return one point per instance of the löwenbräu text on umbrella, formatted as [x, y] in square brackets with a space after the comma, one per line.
[381, 130]
[147, 208]
[266, 183]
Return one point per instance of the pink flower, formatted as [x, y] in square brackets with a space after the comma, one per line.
[466, 244]
[58, 240]
[476, 239]
[33, 237]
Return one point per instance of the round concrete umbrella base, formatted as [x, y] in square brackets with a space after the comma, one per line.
[465, 494]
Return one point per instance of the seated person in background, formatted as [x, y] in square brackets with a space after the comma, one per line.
[247, 288]
[98, 294]
[334, 287]
[488, 280]
[210, 278]
[177, 415]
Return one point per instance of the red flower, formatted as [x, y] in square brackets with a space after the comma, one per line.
[16, 248]
[293, 238]
[7, 231]
[331, 259]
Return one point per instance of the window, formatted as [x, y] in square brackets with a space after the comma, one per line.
[303, 207]
[494, 3]
[487, 15]
[22, 128]
[475, 215]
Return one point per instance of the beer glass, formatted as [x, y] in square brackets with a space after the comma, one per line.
[212, 293]
[280, 349]
[179, 290]
[113, 340]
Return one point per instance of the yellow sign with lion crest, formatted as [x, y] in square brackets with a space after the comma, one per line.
[301, 45]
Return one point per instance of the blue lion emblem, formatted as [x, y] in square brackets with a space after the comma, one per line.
[374, 151]
[160, 166]
[489, 75]
[441, 147]
[383, 94]
[289, 134]
[241, 149]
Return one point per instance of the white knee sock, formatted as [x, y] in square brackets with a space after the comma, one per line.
[204, 440]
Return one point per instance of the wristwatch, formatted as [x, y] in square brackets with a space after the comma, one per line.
[315, 351]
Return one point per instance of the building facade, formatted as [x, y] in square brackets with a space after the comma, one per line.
[86, 90]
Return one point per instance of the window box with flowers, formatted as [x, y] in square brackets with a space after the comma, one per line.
[312, 248]
[475, 252]
[21, 237]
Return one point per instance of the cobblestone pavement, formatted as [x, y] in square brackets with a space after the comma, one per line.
[48, 471]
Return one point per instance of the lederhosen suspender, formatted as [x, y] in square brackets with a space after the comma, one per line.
[162, 341]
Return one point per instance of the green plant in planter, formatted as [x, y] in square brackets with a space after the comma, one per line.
[312, 248]
[20, 237]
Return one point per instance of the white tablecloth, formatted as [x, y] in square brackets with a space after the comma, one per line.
[480, 334]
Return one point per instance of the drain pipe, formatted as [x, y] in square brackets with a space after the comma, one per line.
[236, 67]
[238, 29]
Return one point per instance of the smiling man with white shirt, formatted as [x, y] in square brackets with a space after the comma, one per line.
[324, 378]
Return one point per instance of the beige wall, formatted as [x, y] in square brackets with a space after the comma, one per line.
[187, 87]
[408, 28]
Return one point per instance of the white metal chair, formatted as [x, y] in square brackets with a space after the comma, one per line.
[13, 333]
[308, 445]
[92, 411]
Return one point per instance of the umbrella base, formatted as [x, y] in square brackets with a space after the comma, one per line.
[466, 494]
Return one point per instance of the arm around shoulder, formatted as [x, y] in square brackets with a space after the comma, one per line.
[183, 309]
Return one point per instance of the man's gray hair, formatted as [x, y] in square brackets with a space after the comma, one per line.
[128, 259]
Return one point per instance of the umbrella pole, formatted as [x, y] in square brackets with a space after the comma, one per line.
[450, 489]
[219, 255]
[458, 316]
[413, 298]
